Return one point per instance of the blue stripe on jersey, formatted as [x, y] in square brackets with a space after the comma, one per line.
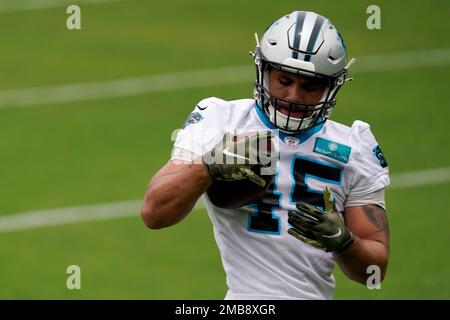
[302, 136]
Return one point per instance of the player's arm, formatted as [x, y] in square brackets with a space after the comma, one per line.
[370, 229]
[173, 192]
[358, 242]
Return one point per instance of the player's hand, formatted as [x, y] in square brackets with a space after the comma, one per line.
[237, 160]
[323, 229]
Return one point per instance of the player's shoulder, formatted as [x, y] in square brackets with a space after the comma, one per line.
[357, 135]
[211, 102]
[226, 109]
[225, 105]
[358, 140]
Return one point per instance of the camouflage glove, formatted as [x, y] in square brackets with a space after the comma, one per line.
[233, 160]
[322, 229]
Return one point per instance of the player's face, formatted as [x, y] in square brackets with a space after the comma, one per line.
[296, 88]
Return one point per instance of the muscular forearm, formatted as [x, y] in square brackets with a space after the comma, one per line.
[361, 254]
[172, 193]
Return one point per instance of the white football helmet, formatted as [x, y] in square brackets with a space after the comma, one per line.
[302, 43]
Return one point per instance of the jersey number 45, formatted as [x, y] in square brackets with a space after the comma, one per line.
[265, 220]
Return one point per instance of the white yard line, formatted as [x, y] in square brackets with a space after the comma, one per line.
[420, 178]
[123, 209]
[402, 60]
[200, 78]
[72, 215]
[28, 5]
[124, 87]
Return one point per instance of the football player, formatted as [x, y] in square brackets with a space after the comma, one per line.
[330, 178]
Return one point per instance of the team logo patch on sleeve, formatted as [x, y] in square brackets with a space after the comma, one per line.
[380, 156]
[194, 117]
[332, 149]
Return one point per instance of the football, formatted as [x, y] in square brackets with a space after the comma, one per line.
[236, 194]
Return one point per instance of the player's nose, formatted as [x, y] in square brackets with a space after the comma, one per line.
[295, 93]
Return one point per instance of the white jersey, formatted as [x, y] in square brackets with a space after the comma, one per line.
[260, 258]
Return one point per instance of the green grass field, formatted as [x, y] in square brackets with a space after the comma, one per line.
[106, 150]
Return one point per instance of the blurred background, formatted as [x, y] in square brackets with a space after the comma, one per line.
[86, 118]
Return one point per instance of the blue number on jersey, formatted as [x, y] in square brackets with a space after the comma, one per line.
[264, 220]
[302, 169]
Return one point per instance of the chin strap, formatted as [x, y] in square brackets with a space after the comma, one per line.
[257, 40]
[349, 64]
